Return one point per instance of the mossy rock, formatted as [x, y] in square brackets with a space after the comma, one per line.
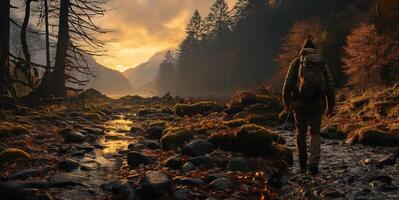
[254, 140]
[282, 152]
[93, 116]
[235, 123]
[12, 155]
[197, 108]
[8, 129]
[156, 129]
[376, 137]
[224, 140]
[264, 119]
[175, 137]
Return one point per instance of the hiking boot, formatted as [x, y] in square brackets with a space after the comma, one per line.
[314, 171]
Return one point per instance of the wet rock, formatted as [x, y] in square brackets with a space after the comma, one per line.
[202, 161]
[151, 144]
[65, 180]
[71, 136]
[173, 162]
[188, 167]
[119, 190]
[182, 194]
[135, 159]
[197, 108]
[332, 132]
[95, 131]
[388, 161]
[9, 129]
[137, 147]
[376, 137]
[154, 184]
[222, 184]
[238, 164]
[136, 130]
[332, 194]
[198, 147]
[186, 181]
[281, 152]
[37, 184]
[235, 123]
[12, 190]
[382, 178]
[146, 112]
[156, 129]
[25, 174]
[68, 165]
[175, 137]
[12, 155]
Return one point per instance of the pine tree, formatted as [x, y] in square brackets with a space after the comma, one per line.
[219, 19]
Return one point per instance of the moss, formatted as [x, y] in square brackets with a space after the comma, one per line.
[224, 140]
[253, 140]
[12, 155]
[235, 123]
[8, 129]
[197, 108]
[175, 137]
[93, 116]
[376, 137]
[282, 152]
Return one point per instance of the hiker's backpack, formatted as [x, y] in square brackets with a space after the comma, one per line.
[311, 76]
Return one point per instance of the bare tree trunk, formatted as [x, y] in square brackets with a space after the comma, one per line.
[24, 43]
[48, 63]
[62, 47]
[5, 81]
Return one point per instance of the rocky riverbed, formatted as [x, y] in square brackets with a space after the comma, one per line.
[172, 148]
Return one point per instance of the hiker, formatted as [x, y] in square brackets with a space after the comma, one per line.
[308, 91]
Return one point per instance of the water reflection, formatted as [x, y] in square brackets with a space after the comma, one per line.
[116, 139]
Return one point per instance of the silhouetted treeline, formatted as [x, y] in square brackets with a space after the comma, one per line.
[255, 41]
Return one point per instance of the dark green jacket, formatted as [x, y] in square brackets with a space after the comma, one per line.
[291, 85]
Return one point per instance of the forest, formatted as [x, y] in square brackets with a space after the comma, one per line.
[261, 99]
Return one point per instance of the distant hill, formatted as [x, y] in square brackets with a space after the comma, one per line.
[107, 81]
[145, 72]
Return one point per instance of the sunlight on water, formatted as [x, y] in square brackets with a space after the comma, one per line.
[115, 139]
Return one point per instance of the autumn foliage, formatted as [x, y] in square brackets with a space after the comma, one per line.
[369, 56]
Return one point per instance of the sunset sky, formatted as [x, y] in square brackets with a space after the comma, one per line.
[144, 27]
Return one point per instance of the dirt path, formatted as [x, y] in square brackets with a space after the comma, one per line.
[346, 172]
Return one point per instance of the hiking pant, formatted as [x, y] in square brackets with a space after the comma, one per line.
[308, 114]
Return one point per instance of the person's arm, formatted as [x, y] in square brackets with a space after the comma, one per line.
[330, 90]
[290, 83]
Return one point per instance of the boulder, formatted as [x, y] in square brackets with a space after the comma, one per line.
[332, 132]
[173, 162]
[202, 161]
[223, 140]
[155, 129]
[238, 164]
[188, 167]
[186, 181]
[376, 137]
[222, 184]
[198, 147]
[154, 184]
[254, 140]
[282, 152]
[175, 137]
[234, 108]
[68, 165]
[12, 155]
[71, 136]
[197, 108]
[65, 180]
[135, 159]
[235, 123]
[8, 129]
[182, 194]
[119, 190]
[25, 174]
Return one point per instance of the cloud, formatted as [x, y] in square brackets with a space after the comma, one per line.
[144, 27]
